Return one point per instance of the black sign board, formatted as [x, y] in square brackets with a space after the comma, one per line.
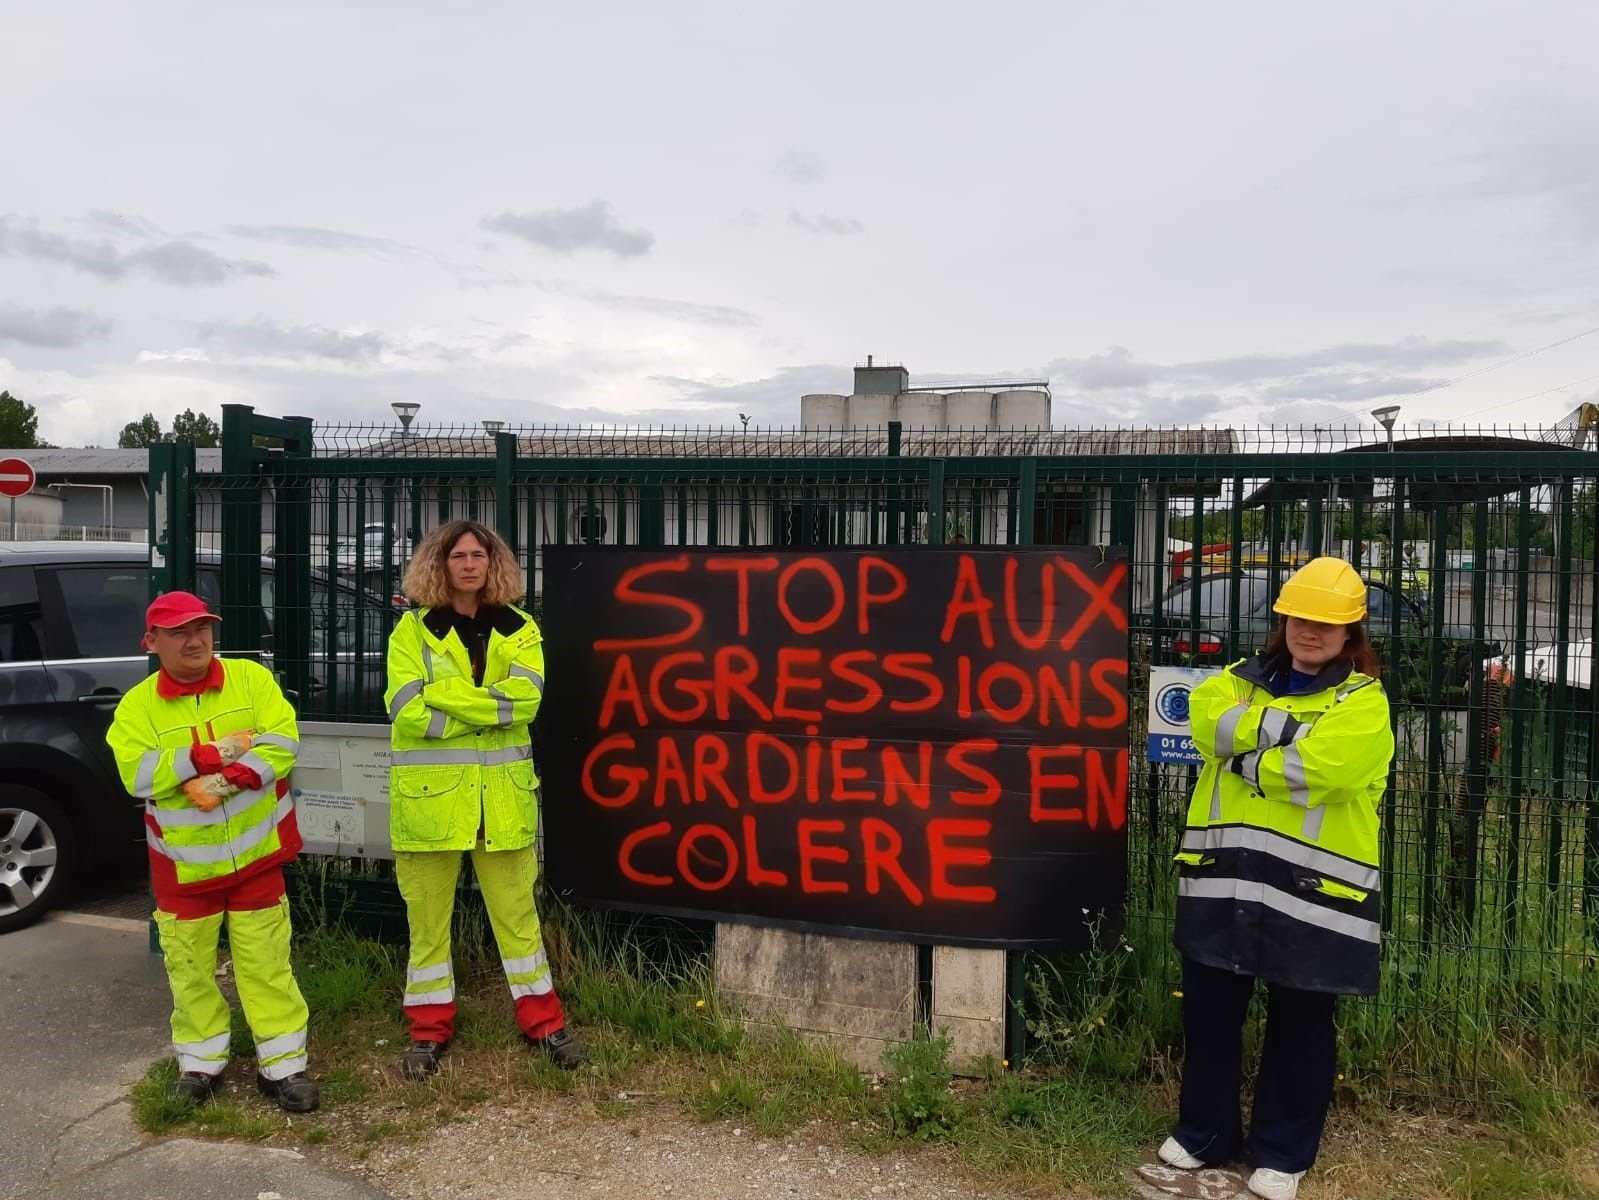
[925, 743]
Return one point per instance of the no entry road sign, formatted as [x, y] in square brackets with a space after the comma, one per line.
[16, 477]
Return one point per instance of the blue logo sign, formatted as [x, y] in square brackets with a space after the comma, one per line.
[1171, 702]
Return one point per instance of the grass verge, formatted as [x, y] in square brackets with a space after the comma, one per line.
[658, 1037]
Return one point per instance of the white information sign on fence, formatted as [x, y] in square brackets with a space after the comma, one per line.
[341, 789]
[1169, 741]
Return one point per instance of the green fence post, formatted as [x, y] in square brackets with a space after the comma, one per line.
[291, 554]
[171, 546]
[1396, 630]
[1560, 695]
[1027, 503]
[241, 532]
[935, 502]
[1475, 780]
[171, 518]
[505, 489]
[893, 529]
[1016, 960]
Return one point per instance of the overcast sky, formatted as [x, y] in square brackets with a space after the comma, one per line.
[670, 213]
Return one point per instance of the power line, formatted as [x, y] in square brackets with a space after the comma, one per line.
[1514, 358]
[1558, 388]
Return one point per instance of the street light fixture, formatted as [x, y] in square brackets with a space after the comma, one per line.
[491, 426]
[1387, 414]
[406, 410]
[745, 418]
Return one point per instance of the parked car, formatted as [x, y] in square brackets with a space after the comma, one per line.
[71, 619]
[1174, 638]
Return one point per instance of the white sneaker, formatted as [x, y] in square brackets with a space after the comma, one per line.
[1275, 1185]
[1171, 1153]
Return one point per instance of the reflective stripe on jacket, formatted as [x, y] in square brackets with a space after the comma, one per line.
[1278, 870]
[462, 760]
[152, 739]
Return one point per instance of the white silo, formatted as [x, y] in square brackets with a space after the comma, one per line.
[824, 410]
[868, 411]
[920, 410]
[1026, 408]
[969, 410]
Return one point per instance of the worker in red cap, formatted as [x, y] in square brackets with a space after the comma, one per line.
[208, 744]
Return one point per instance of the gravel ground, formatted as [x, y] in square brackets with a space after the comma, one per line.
[555, 1147]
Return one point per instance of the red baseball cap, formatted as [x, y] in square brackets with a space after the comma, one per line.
[174, 609]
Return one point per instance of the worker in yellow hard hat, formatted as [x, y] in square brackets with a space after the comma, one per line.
[1278, 877]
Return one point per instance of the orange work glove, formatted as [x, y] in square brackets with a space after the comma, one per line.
[231, 748]
[205, 792]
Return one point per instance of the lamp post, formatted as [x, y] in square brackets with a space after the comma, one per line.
[1387, 414]
[493, 427]
[406, 410]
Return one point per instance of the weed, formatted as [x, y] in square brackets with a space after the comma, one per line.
[918, 1098]
[725, 1095]
[377, 1131]
[341, 1085]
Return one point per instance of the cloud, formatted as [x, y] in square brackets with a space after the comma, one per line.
[58, 328]
[825, 223]
[1117, 387]
[592, 227]
[772, 400]
[179, 263]
[677, 310]
[297, 342]
[1541, 149]
[744, 221]
[470, 277]
[800, 167]
[309, 237]
[125, 224]
[1405, 354]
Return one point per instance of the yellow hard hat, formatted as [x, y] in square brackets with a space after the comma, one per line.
[1324, 589]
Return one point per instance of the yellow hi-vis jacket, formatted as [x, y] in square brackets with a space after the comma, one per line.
[462, 759]
[153, 737]
[1278, 872]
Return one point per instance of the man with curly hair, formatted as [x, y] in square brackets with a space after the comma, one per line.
[466, 675]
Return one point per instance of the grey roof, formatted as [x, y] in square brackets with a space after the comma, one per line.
[104, 462]
[799, 443]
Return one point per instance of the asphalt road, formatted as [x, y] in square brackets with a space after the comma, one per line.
[83, 1014]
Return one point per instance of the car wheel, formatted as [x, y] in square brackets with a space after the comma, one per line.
[38, 855]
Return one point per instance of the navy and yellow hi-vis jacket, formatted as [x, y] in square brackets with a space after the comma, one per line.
[1279, 871]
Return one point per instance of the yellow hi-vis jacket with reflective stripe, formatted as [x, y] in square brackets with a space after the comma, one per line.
[151, 738]
[462, 759]
[1279, 870]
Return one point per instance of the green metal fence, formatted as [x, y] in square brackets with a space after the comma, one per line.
[1482, 551]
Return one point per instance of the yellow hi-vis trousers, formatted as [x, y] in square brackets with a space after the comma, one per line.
[273, 1005]
[427, 880]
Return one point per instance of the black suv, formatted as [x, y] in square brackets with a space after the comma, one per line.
[71, 617]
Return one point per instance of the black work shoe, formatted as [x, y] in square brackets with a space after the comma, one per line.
[195, 1087]
[422, 1059]
[562, 1049]
[294, 1093]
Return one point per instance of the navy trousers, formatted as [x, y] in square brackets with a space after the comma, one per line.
[1292, 1091]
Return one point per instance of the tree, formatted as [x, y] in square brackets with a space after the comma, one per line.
[195, 428]
[146, 431]
[19, 424]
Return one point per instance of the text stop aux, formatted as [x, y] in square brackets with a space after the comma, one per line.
[678, 675]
